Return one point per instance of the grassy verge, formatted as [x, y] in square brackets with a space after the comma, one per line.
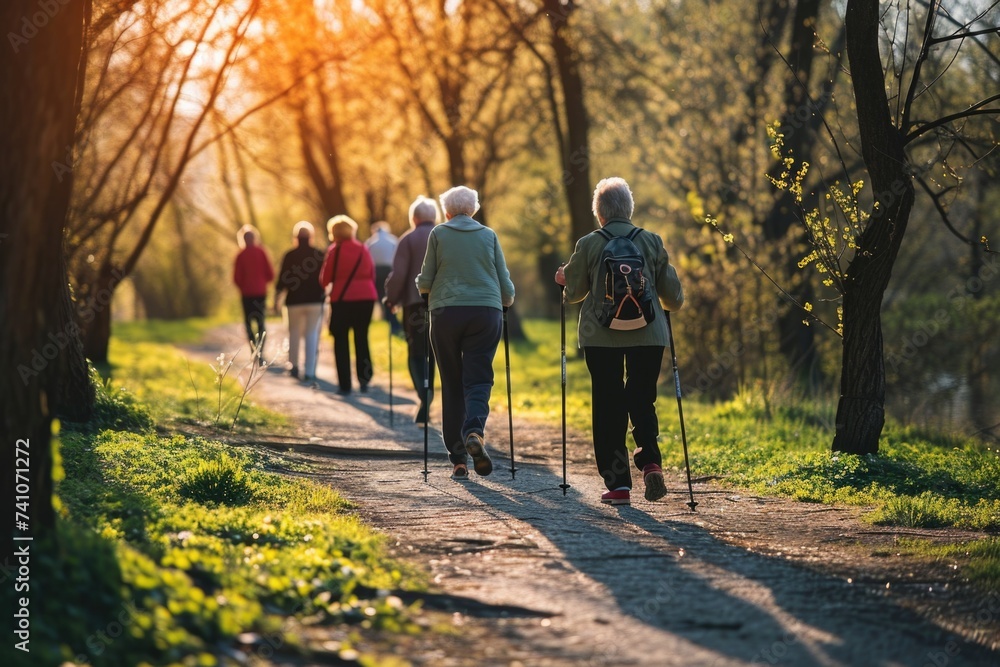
[184, 551]
[177, 391]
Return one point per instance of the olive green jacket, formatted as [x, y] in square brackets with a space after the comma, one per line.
[584, 274]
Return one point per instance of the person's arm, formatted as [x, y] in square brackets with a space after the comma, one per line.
[503, 274]
[395, 283]
[326, 272]
[577, 273]
[668, 285]
[425, 279]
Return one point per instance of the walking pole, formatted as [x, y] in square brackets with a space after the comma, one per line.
[427, 375]
[562, 323]
[391, 416]
[510, 415]
[680, 411]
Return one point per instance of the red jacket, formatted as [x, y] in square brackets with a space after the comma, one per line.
[339, 265]
[253, 271]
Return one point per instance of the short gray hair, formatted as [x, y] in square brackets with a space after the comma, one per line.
[423, 209]
[460, 200]
[613, 199]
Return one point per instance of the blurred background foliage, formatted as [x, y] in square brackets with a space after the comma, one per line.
[201, 117]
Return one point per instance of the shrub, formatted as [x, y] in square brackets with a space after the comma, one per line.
[221, 481]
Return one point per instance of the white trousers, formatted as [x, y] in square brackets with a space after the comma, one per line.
[304, 322]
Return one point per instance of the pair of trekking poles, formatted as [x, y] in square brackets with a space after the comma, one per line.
[510, 415]
[428, 388]
[677, 387]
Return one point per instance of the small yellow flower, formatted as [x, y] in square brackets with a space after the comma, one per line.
[728, 238]
[808, 307]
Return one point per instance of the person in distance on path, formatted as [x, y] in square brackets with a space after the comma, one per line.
[382, 247]
[401, 290]
[298, 282]
[348, 274]
[252, 271]
[467, 284]
[624, 365]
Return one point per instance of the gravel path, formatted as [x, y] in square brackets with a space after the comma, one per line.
[543, 578]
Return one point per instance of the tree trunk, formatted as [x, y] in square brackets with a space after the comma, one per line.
[576, 152]
[861, 411]
[76, 392]
[39, 123]
[96, 313]
[454, 145]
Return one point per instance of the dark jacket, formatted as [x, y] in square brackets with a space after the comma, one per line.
[401, 286]
[299, 275]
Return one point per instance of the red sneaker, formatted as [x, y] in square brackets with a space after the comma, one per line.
[616, 497]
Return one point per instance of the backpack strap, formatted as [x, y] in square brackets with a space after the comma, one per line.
[630, 236]
[347, 284]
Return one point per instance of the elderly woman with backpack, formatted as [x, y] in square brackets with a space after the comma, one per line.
[618, 271]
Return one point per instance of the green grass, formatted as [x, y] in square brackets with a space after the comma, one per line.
[170, 332]
[170, 547]
[979, 560]
[176, 390]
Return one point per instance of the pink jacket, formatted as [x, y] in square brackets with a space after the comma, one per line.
[339, 265]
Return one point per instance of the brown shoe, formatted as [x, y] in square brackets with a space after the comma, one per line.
[476, 448]
[656, 488]
[460, 473]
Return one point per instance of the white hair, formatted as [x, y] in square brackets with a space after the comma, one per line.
[613, 199]
[423, 209]
[460, 200]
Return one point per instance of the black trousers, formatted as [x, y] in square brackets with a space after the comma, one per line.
[417, 348]
[465, 340]
[253, 313]
[345, 316]
[623, 389]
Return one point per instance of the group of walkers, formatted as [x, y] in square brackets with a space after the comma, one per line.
[453, 278]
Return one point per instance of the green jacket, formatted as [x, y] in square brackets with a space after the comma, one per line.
[584, 274]
[464, 266]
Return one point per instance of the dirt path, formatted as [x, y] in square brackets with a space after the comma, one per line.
[552, 579]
